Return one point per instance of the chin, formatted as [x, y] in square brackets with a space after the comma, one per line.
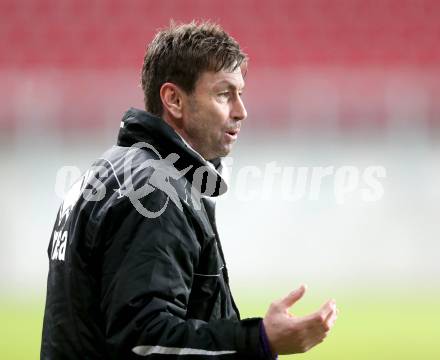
[225, 151]
[221, 151]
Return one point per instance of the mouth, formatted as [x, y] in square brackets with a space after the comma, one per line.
[232, 134]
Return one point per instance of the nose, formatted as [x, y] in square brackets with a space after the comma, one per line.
[238, 111]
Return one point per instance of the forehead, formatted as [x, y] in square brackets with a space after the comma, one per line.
[223, 78]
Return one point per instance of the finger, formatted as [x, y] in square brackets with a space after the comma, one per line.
[293, 297]
[326, 309]
[331, 318]
[321, 315]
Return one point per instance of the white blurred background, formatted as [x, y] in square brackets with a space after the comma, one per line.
[392, 242]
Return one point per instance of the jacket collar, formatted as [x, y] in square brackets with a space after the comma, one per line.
[141, 126]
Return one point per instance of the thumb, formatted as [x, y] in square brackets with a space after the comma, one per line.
[294, 296]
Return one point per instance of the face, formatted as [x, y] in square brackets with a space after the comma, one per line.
[213, 113]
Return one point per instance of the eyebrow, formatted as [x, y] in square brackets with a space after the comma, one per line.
[229, 84]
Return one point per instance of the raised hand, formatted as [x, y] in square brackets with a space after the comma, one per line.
[289, 334]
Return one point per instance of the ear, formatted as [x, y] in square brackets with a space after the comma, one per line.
[172, 99]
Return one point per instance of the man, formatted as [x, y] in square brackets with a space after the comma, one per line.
[136, 265]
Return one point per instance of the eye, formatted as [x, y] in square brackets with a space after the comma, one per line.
[224, 96]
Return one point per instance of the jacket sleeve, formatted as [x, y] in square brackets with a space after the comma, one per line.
[146, 282]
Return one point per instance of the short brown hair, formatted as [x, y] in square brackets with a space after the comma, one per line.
[180, 53]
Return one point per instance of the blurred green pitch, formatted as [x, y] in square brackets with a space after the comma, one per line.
[382, 327]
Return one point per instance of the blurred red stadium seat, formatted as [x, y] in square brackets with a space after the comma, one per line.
[107, 35]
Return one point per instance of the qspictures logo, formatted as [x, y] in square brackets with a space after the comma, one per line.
[138, 180]
[287, 183]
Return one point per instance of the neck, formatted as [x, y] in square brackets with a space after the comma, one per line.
[181, 132]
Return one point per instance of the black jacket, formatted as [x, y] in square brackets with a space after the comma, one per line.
[136, 267]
